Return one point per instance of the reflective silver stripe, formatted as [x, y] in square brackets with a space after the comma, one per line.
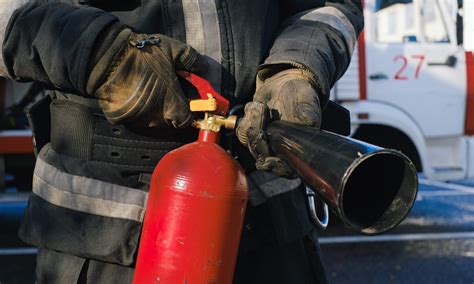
[88, 195]
[87, 186]
[202, 33]
[193, 24]
[336, 19]
[7, 7]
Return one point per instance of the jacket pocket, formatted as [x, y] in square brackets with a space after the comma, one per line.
[82, 216]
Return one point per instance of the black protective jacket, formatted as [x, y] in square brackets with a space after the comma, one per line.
[89, 189]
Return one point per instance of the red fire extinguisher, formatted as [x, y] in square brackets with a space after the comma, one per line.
[196, 205]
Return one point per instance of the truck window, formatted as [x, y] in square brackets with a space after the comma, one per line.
[460, 22]
[395, 21]
[382, 4]
[433, 23]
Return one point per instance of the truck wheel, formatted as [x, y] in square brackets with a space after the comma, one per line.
[389, 137]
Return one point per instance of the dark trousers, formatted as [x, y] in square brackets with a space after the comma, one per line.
[274, 250]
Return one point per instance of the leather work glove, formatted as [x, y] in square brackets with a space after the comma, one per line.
[287, 95]
[141, 86]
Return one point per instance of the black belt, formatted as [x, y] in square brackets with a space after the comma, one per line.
[83, 132]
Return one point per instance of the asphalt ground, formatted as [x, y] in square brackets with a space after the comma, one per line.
[434, 244]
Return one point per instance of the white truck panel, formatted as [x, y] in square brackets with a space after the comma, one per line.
[433, 94]
[468, 25]
[448, 157]
[347, 88]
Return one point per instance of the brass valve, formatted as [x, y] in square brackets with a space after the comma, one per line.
[215, 106]
[211, 122]
[214, 122]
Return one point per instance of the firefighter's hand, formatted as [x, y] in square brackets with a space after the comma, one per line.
[289, 96]
[141, 86]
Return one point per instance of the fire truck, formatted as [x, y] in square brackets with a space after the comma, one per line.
[410, 85]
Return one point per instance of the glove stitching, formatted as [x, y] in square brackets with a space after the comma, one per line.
[111, 70]
[170, 86]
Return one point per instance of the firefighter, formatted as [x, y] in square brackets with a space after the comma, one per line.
[115, 107]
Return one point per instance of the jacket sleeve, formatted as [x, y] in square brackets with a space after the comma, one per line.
[56, 43]
[7, 8]
[319, 40]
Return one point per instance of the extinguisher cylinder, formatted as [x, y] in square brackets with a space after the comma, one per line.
[194, 216]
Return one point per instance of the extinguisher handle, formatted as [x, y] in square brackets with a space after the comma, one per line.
[206, 91]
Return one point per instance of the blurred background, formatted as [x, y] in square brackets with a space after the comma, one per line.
[410, 86]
